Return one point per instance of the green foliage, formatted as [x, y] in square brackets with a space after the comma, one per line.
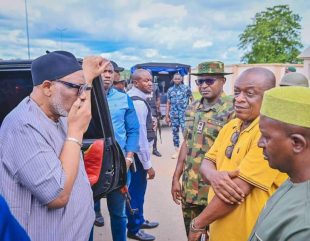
[274, 37]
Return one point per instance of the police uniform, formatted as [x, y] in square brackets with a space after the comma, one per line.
[178, 96]
[203, 123]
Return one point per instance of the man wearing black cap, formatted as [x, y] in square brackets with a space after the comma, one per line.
[41, 168]
[118, 83]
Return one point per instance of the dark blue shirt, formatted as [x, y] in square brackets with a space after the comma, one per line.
[10, 229]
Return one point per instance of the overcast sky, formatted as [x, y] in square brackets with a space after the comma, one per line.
[136, 31]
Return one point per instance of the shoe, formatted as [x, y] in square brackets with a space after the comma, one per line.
[99, 221]
[141, 235]
[156, 153]
[148, 224]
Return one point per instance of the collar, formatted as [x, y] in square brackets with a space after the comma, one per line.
[249, 128]
[215, 107]
[135, 91]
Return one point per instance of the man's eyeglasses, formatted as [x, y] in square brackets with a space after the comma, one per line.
[81, 88]
[233, 139]
[209, 81]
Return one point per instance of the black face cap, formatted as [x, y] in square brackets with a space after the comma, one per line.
[53, 65]
[116, 67]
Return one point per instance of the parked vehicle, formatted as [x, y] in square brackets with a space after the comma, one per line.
[16, 84]
[162, 75]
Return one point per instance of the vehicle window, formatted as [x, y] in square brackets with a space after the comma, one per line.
[14, 87]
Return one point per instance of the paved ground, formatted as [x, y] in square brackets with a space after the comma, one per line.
[158, 202]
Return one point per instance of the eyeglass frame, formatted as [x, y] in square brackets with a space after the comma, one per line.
[81, 87]
[233, 139]
[207, 80]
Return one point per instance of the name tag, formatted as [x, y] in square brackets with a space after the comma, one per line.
[201, 125]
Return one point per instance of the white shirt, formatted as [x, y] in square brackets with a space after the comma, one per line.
[142, 111]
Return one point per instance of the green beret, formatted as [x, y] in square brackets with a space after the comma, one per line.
[291, 68]
[290, 105]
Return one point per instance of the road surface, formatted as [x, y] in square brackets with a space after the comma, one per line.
[158, 204]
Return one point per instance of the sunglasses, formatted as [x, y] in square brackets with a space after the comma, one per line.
[234, 138]
[81, 88]
[209, 81]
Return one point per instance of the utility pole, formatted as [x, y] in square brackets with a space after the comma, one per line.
[61, 30]
[27, 30]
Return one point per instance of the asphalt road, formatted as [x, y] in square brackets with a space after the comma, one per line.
[158, 205]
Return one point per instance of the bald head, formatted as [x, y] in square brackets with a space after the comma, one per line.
[142, 80]
[249, 89]
[138, 74]
[264, 77]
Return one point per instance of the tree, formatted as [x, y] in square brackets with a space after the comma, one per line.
[274, 37]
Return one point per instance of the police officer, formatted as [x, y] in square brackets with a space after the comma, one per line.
[177, 100]
[153, 100]
[204, 119]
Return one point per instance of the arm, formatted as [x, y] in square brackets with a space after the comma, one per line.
[132, 131]
[78, 121]
[167, 112]
[144, 151]
[221, 181]
[158, 101]
[217, 209]
[176, 186]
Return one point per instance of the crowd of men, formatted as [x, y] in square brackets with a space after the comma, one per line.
[244, 160]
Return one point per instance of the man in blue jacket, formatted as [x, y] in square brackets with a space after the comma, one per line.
[126, 130]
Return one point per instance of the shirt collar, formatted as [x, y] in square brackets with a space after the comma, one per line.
[249, 128]
[138, 92]
[215, 107]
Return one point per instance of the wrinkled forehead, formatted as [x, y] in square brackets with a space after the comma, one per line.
[75, 77]
[248, 80]
[145, 75]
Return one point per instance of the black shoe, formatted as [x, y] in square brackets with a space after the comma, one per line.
[141, 235]
[99, 221]
[147, 224]
[156, 153]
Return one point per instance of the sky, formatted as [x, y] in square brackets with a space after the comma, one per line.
[135, 31]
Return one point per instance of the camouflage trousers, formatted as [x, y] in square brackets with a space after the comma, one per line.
[177, 122]
[190, 211]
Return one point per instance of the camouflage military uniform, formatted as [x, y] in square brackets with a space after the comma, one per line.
[203, 124]
[178, 96]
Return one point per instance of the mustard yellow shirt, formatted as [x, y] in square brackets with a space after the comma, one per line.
[254, 169]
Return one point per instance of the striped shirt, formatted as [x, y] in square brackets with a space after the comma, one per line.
[31, 176]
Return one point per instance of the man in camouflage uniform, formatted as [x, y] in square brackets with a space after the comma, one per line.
[204, 119]
[177, 101]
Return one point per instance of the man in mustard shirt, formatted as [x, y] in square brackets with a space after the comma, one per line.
[236, 198]
[285, 128]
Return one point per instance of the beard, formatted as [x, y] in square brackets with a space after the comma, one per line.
[57, 105]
